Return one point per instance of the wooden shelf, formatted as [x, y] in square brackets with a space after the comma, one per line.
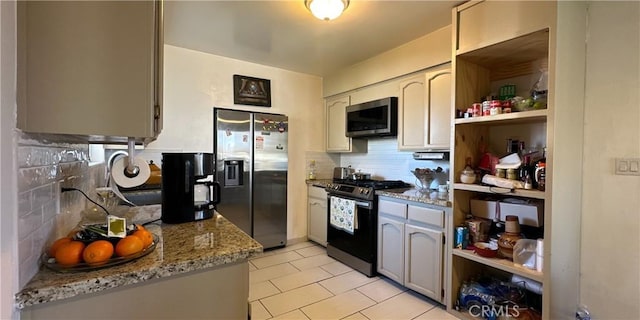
[502, 264]
[535, 194]
[515, 51]
[507, 118]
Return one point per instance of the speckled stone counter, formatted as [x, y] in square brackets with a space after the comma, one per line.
[322, 183]
[182, 248]
[434, 197]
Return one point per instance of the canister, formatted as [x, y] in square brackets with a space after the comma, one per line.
[476, 109]
[486, 108]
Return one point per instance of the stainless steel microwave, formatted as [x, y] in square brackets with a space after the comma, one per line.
[375, 118]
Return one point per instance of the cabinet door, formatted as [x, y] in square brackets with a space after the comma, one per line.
[390, 249]
[317, 219]
[438, 99]
[425, 111]
[424, 259]
[479, 25]
[336, 123]
[90, 68]
[412, 114]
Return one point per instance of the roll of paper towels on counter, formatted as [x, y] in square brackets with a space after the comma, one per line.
[120, 177]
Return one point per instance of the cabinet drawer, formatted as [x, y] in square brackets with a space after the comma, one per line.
[392, 208]
[317, 192]
[426, 215]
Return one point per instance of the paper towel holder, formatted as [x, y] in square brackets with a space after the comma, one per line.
[131, 170]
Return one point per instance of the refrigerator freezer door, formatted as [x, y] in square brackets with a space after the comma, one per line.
[233, 146]
[270, 179]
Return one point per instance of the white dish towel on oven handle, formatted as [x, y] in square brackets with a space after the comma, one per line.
[343, 214]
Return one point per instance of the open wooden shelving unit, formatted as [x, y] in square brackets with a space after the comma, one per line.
[477, 72]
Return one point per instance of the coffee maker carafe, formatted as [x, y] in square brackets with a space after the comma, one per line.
[188, 190]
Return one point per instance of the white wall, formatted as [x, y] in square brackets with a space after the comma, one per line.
[427, 51]
[610, 254]
[195, 82]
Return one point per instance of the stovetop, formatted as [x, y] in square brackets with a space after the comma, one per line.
[363, 189]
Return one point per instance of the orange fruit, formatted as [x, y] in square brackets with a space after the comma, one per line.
[57, 244]
[97, 252]
[145, 236]
[140, 227]
[70, 253]
[129, 245]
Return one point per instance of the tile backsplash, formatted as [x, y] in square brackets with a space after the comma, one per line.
[45, 214]
[382, 160]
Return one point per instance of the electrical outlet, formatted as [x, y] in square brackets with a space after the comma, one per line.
[628, 166]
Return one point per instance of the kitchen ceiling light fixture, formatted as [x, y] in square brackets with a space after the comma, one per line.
[326, 9]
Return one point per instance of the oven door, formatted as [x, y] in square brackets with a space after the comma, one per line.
[362, 243]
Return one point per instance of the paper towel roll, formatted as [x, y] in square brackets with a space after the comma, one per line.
[539, 263]
[540, 247]
[121, 179]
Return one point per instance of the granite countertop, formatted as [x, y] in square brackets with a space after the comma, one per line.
[182, 248]
[433, 197]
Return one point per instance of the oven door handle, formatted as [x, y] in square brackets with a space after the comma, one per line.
[363, 204]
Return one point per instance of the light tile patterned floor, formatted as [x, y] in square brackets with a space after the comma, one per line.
[301, 282]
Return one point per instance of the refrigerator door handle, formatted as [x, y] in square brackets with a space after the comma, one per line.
[187, 174]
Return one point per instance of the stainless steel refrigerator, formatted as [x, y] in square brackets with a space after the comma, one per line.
[251, 167]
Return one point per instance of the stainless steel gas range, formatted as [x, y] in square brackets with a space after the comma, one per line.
[353, 218]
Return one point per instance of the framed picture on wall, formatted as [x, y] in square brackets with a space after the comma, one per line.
[251, 91]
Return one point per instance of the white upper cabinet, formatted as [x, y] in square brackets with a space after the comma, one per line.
[424, 111]
[90, 69]
[337, 141]
[484, 23]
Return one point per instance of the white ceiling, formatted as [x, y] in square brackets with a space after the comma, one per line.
[284, 34]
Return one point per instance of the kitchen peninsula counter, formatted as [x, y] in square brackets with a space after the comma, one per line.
[195, 249]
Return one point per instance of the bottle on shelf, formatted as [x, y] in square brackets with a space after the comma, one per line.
[540, 175]
[312, 170]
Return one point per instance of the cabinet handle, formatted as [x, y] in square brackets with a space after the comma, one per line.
[315, 203]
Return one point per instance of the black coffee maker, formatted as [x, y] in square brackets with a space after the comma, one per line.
[188, 192]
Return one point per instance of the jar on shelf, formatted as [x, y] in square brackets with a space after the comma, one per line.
[509, 238]
[468, 175]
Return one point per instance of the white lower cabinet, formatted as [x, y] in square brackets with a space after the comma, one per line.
[391, 248]
[423, 260]
[317, 215]
[410, 245]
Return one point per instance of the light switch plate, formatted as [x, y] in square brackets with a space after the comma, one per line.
[628, 166]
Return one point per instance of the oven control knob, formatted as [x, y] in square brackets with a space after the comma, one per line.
[366, 191]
